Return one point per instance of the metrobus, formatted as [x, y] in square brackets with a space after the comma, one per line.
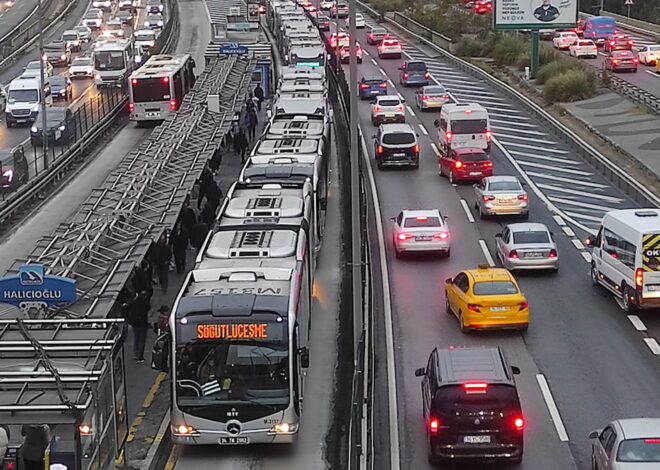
[114, 60]
[156, 89]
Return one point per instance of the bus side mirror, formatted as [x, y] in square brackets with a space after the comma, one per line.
[160, 353]
[304, 357]
[515, 370]
[421, 372]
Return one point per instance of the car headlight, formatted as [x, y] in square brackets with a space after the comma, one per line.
[63, 57]
[62, 128]
[97, 76]
[9, 174]
[34, 129]
[284, 428]
[160, 23]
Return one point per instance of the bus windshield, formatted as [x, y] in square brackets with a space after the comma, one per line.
[109, 60]
[147, 90]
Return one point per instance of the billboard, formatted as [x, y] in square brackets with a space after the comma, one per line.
[535, 14]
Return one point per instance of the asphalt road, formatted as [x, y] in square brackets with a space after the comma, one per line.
[11, 16]
[596, 364]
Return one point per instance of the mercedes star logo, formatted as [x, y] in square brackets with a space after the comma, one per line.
[233, 428]
[477, 422]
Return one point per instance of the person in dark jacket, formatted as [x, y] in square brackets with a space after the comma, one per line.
[252, 121]
[204, 182]
[162, 258]
[259, 95]
[240, 144]
[179, 241]
[208, 215]
[37, 438]
[138, 318]
[187, 215]
[198, 233]
[214, 195]
[215, 161]
[142, 278]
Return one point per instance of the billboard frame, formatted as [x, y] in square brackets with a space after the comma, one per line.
[532, 26]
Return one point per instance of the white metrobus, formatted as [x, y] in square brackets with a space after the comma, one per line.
[157, 88]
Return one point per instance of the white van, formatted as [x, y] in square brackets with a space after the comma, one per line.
[24, 100]
[626, 257]
[463, 125]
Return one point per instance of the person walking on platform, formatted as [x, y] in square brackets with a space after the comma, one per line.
[179, 241]
[240, 144]
[187, 215]
[252, 122]
[162, 257]
[259, 95]
[142, 278]
[138, 318]
[198, 233]
[37, 438]
[214, 195]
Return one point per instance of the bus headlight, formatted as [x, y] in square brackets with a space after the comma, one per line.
[184, 430]
[284, 428]
[34, 129]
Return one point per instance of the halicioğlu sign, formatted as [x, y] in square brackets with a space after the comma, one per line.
[535, 14]
[32, 285]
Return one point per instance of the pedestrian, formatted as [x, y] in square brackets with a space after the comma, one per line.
[187, 215]
[208, 214]
[142, 278]
[215, 161]
[4, 441]
[240, 144]
[214, 195]
[138, 318]
[179, 242]
[162, 258]
[37, 438]
[205, 181]
[252, 122]
[259, 95]
[198, 233]
[163, 318]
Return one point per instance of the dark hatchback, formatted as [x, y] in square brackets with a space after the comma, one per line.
[61, 87]
[13, 169]
[372, 86]
[60, 127]
[471, 406]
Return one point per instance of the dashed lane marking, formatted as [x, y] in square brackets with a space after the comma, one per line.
[568, 231]
[545, 158]
[559, 220]
[374, 61]
[466, 208]
[655, 74]
[637, 322]
[423, 129]
[552, 407]
[582, 205]
[410, 110]
[560, 189]
[534, 147]
[587, 256]
[577, 243]
[653, 345]
[567, 180]
[553, 168]
[435, 149]
[484, 249]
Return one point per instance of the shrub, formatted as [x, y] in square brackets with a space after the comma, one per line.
[547, 55]
[469, 47]
[507, 50]
[557, 67]
[570, 85]
[524, 60]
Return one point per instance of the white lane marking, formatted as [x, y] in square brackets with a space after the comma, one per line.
[526, 139]
[583, 205]
[568, 231]
[577, 243]
[435, 149]
[552, 407]
[577, 215]
[520, 124]
[387, 306]
[410, 110]
[567, 180]
[468, 214]
[559, 220]
[374, 61]
[484, 249]
[554, 168]
[535, 147]
[602, 197]
[637, 322]
[546, 158]
[653, 345]
[399, 94]
[510, 118]
[423, 129]
[587, 256]
[522, 131]
[655, 74]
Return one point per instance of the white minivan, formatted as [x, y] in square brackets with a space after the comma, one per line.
[626, 257]
[463, 125]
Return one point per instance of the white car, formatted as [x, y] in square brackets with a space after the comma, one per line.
[102, 4]
[526, 246]
[421, 231]
[564, 39]
[84, 32]
[387, 108]
[359, 21]
[583, 48]
[145, 38]
[326, 4]
[649, 54]
[345, 54]
[114, 28]
[93, 19]
[154, 21]
[81, 67]
[389, 48]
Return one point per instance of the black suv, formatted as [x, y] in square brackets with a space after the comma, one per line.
[396, 145]
[471, 406]
[14, 170]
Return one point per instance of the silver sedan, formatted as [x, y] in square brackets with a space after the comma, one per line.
[526, 246]
[626, 444]
[501, 195]
[420, 231]
[431, 96]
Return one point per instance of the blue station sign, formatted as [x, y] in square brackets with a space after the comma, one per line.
[32, 285]
[233, 48]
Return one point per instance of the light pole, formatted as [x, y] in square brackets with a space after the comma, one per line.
[42, 86]
[337, 62]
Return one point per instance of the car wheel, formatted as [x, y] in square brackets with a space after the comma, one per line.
[448, 253]
[447, 306]
[416, 165]
[523, 329]
[628, 306]
[525, 216]
[462, 323]
[482, 214]
[451, 177]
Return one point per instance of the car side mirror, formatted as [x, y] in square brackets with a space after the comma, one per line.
[304, 357]
[436, 123]
[515, 370]
[591, 240]
[402, 68]
[373, 136]
[421, 372]
[446, 217]
[552, 234]
[593, 435]
[498, 235]
[523, 184]
[448, 280]
[392, 219]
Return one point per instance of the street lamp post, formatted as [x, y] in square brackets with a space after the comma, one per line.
[42, 74]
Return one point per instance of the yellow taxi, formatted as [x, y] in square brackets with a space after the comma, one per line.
[486, 298]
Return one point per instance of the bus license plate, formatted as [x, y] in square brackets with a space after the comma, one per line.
[153, 114]
[476, 439]
[233, 440]
[653, 287]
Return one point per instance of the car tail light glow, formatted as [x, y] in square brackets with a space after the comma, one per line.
[523, 197]
[416, 148]
[475, 386]
[364, 86]
[458, 164]
[639, 278]
[379, 149]
[85, 429]
[630, 43]
[184, 429]
[488, 164]
[474, 308]
[405, 75]
[383, 85]
[425, 97]
[134, 81]
[441, 236]
[377, 109]
[131, 107]
[615, 61]
[552, 254]
[421, 218]
[489, 134]
[427, 75]
[523, 305]
[513, 254]
[468, 111]
[652, 441]
[519, 423]
[434, 425]
[449, 136]
[611, 43]
[636, 61]
[399, 108]
[173, 105]
[165, 79]
[404, 236]
[487, 198]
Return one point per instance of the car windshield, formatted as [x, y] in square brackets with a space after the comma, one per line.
[416, 67]
[621, 54]
[388, 102]
[468, 126]
[504, 186]
[57, 81]
[143, 35]
[586, 43]
[23, 96]
[605, 26]
[81, 61]
[522, 238]
[455, 400]
[494, 288]
[373, 81]
[399, 138]
[414, 222]
[639, 450]
[390, 43]
[56, 47]
[473, 157]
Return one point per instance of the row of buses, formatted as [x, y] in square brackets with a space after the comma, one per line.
[237, 346]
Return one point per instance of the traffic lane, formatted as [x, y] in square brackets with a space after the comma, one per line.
[417, 289]
[12, 16]
[552, 342]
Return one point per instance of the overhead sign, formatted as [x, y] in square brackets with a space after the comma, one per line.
[233, 48]
[535, 14]
[32, 285]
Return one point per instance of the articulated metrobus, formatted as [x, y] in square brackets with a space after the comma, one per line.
[157, 88]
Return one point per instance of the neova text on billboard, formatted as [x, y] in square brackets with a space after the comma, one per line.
[535, 14]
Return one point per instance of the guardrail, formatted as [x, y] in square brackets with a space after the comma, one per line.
[107, 115]
[619, 177]
[633, 92]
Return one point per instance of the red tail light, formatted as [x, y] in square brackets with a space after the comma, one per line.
[611, 43]
[131, 107]
[434, 425]
[475, 386]
[445, 97]
[652, 441]
[364, 86]
[474, 308]
[523, 197]
[458, 164]
[489, 134]
[630, 43]
[427, 75]
[636, 61]
[173, 105]
[165, 79]
[377, 109]
[639, 278]
[441, 236]
[404, 236]
[383, 85]
[487, 198]
[425, 97]
[488, 164]
[405, 75]
[379, 149]
[615, 61]
[421, 218]
[399, 108]
[519, 424]
[552, 254]
[513, 254]
[523, 305]
[416, 148]
[449, 136]
[134, 81]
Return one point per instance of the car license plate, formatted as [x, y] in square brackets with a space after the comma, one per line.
[476, 439]
[475, 173]
[398, 154]
[653, 287]
[233, 440]
[505, 201]
[153, 114]
[534, 254]
[423, 239]
[389, 115]
[499, 309]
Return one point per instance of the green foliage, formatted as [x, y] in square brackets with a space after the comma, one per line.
[548, 54]
[471, 47]
[570, 85]
[389, 5]
[508, 49]
[557, 67]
